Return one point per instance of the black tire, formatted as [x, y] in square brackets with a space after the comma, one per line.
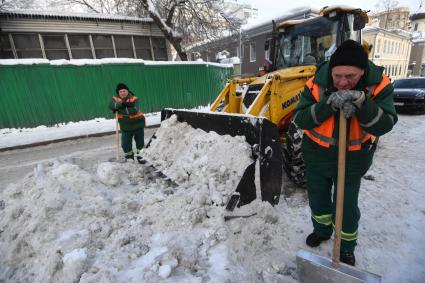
[293, 162]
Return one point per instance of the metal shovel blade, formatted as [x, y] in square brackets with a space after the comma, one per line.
[318, 269]
[260, 133]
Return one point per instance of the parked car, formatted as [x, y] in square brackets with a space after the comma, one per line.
[409, 94]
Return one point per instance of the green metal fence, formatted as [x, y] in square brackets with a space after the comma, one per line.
[44, 94]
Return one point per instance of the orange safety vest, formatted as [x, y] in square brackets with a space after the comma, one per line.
[131, 99]
[322, 134]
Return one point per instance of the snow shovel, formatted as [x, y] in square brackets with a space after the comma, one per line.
[318, 269]
[117, 137]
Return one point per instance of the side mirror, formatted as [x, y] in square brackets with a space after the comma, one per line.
[359, 22]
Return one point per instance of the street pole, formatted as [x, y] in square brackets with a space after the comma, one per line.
[240, 51]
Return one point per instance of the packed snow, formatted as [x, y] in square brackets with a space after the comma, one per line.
[82, 62]
[119, 222]
[12, 137]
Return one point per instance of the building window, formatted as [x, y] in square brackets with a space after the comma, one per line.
[385, 46]
[143, 47]
[55, 46]
[252, 52]
[27, 45]
[5, 47]
[378, 46]
[103, 46]
[80, 46]
[159, 49]
[416, 27]
[123, 46]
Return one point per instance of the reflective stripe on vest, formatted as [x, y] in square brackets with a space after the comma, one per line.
[140, 114]
[129, 99]
[118, 99]
[322, 134]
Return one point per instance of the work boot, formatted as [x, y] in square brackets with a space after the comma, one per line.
[314, 240]
[129, 155]
[347, 257]
[139, 157]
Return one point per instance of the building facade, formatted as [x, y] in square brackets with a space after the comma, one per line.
[25, 34]
[391, 49]
[417, 57]
[248, 45]
[395, 18]
[240, 10]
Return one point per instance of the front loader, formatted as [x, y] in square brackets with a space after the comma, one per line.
[262, 108]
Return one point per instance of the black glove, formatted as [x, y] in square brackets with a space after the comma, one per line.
[127, 104]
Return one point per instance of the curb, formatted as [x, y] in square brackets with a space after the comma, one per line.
[23, 146]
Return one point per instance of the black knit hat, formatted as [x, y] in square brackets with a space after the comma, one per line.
[121, 86]
[350, 53]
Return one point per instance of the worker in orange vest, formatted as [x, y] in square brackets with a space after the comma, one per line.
[131, 120]
[351, 83]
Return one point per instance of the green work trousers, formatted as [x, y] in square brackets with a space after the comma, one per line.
[322, 203]
[127, 140]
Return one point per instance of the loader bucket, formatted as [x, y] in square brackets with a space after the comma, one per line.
[261, 134]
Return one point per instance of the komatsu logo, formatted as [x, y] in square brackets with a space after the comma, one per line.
[291, 101]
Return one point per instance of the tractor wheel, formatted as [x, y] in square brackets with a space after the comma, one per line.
[293, 162]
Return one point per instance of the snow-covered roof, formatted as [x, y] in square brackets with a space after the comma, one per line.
[265, 25]
[399, 32]
[81, 62]
[70, 16]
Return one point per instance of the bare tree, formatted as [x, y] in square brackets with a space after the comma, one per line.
[387, 6]
[183, 22]
[16, 4]
[421, 3]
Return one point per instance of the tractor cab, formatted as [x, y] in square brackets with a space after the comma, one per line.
[313, 41]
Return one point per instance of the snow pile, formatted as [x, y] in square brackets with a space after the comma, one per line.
[72, 221]
[82, 62]
[8, 136]
[117, 223]
[207, 161]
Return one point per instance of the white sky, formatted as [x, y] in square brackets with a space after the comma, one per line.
[269, 9]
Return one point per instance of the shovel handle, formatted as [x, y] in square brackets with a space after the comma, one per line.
[117, 137]
[342, 150]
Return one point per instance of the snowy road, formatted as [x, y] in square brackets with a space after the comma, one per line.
[15, 164]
